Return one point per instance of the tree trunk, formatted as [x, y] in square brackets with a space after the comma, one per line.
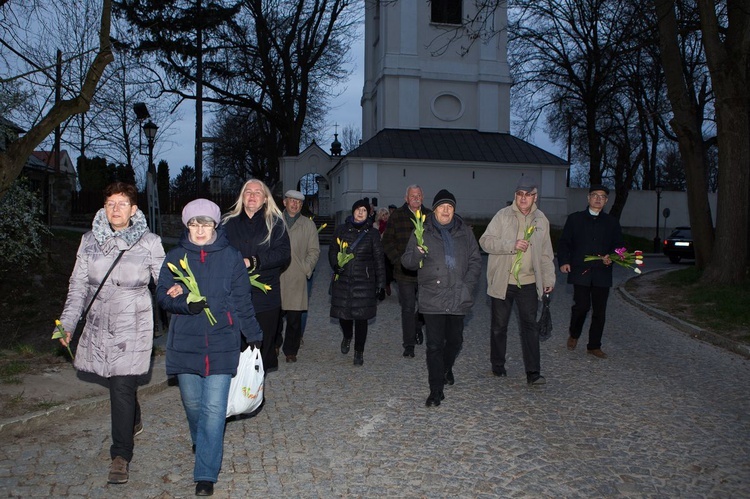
[727, 55]
[686, 125]
[17, 153]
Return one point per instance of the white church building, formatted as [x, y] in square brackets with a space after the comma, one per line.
[440, 121]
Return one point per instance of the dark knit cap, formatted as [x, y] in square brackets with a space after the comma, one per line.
[443, 196]
[360, 204]
[599, 187]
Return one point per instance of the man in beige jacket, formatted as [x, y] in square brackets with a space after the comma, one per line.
[519, 229]
[303, 237]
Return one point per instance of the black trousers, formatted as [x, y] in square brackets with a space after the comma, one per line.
[528, 302]
[360, 332]
[269, 323]
[126, 412]
[584, 298]
[293, 331]
[445, 337]
[410, 318]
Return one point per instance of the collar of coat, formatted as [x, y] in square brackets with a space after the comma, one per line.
[103, 231]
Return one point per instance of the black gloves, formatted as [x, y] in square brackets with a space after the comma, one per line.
[338, 270]
[254, 344]
[196, 307]
[380, 293]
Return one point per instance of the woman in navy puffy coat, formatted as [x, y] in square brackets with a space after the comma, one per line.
[203, 356]
[355, 289]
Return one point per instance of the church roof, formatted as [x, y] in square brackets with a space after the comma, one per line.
[453, 145]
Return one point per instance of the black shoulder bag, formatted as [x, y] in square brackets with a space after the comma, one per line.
[82, 320]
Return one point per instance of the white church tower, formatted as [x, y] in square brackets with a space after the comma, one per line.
[435, 112]
[417, 76]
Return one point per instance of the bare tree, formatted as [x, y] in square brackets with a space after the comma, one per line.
[351, 138]
[17, 152]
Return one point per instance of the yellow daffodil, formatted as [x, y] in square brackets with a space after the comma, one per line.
[60, 333]
[255, 282]
[190, 282]
[418, 222]
[343, 257]
[516, 268]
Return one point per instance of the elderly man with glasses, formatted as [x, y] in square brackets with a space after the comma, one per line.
[589, 232]
[520, 270]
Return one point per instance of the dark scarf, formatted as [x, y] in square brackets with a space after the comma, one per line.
[445, 234]
[290, 220]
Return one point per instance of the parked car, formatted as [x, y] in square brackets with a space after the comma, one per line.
[679, 245]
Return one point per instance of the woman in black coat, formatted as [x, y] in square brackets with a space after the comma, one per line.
[358, 283]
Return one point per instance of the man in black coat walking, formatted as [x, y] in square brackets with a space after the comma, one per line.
[589, 232]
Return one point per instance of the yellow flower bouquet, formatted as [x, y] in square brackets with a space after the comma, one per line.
[189, 280]
[343, 256]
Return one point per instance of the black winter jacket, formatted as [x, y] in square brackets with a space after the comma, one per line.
[246, 234]
[353, 294]
[442, 290]
[193, 345]
[586, 234]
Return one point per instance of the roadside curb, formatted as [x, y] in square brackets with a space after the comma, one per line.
[158, 381]
[691, 329]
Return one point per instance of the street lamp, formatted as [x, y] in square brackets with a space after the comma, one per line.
[657, 242]
[150, 130]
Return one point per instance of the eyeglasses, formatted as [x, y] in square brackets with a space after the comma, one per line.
[598, 196]
[196, 226]
[522, 194]
[123, 205]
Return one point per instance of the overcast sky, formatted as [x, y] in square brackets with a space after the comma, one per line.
[345, 111]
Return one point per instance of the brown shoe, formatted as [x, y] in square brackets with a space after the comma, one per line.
[118, 471]
[572, 342]
[597, 352]
[291, 358]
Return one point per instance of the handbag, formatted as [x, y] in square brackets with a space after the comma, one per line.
[76, 337]
[246, 387]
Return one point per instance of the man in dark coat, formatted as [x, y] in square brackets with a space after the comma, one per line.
[589, 232]
[395, 237]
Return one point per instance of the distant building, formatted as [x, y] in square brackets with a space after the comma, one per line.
[438, 120]
[52, 176]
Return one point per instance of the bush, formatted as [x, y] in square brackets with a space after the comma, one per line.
[21, 228]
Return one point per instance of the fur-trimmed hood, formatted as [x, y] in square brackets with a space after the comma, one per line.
[103, 231]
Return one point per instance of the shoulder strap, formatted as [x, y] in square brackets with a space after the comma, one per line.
[359, 238]
[84, 314]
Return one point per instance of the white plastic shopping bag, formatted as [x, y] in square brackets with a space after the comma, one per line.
[246, 388]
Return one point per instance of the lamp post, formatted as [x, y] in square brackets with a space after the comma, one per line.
[149, 129]
[657, 242]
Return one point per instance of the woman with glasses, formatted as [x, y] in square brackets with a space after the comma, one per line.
[203, 348]
[117, 339]
[256, 227]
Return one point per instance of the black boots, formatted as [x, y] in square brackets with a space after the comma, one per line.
[358, 359]
[435, 397]
[449, 378]
[345, 345]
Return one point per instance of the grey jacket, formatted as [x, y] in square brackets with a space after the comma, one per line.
[443, 290]
[303, 237]
[118, 337]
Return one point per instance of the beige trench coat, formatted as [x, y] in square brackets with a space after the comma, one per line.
[303, 237]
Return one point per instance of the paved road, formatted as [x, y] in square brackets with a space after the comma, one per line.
[664, 416]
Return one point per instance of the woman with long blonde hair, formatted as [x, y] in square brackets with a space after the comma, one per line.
[256, 227]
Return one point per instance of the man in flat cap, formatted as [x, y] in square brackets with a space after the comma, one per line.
[589, 232]
[519, 229]
[303, 237]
